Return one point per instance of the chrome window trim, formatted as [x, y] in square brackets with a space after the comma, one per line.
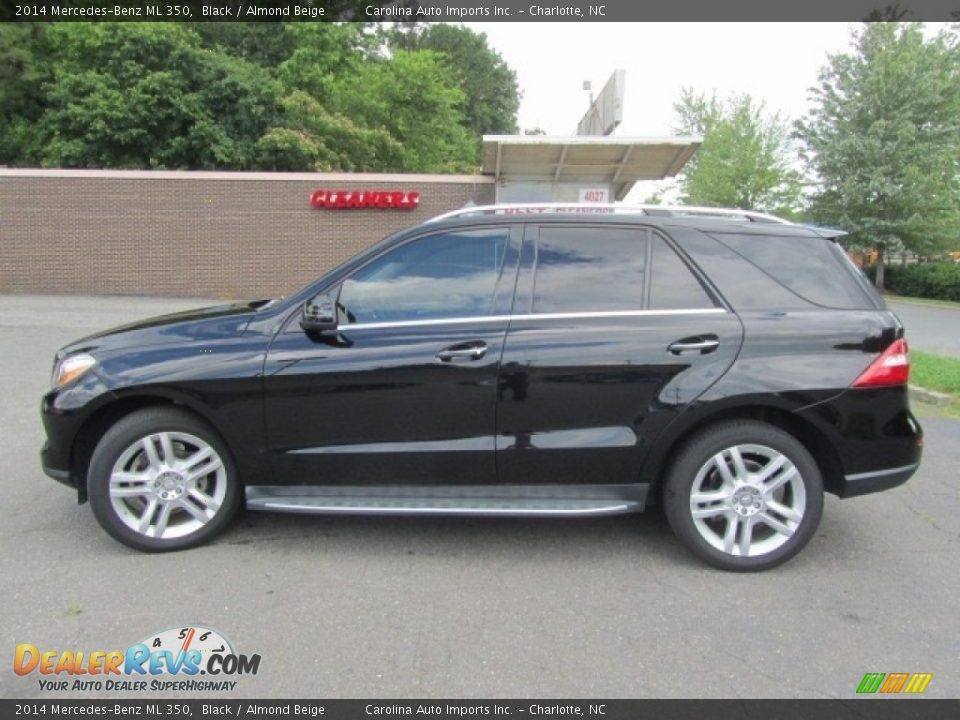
[531, 316]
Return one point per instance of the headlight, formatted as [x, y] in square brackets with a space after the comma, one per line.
[72, 367]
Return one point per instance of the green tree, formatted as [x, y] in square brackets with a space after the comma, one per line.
[294, 96]
[321, 126]
[23, 71]
[745, 158]
[311, 138]
[324, 54]
[883, 140]
[414, 97]
[490, 85]
[265, 43]
[147, 95]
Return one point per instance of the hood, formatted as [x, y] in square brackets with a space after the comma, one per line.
[192, 325]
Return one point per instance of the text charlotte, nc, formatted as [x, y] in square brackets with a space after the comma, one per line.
[446, 11]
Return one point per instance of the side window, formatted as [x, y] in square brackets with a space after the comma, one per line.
[589, 269]
[450, 275]
[811, 267]
[672, 284]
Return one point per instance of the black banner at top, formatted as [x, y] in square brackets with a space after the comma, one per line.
[474, 10]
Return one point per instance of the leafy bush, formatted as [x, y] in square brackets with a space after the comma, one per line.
[936, 280]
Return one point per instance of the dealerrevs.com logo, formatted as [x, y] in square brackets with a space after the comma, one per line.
[170, 660]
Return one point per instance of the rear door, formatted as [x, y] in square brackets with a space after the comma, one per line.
[613, 333]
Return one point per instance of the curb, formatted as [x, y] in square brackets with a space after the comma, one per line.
[930, 397]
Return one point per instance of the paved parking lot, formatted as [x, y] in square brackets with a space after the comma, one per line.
[392, 608]
[934, 328]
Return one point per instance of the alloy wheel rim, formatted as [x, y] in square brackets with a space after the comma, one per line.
[748, 500]
[168, 485]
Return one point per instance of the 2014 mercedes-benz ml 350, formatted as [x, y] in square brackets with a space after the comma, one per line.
[571, 362]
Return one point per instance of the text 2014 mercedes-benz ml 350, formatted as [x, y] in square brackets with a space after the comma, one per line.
[730, 366]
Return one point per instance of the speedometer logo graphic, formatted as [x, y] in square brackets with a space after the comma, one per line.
[175, 640]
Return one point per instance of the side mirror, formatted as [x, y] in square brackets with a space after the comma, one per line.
[319, 313]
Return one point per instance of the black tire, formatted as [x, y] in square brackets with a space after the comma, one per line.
[211, 490]
[801, 490]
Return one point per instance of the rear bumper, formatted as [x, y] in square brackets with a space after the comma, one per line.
[877, 440]
[876, 480]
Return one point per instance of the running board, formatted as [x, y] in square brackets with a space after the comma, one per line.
[502, 500]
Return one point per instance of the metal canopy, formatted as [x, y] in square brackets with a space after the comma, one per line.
[619, 161]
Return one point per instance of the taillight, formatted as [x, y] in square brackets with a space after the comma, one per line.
[891, 368]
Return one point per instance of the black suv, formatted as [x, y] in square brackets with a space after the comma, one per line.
[555, 361]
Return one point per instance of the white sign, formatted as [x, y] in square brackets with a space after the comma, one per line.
[606, 110]
[594, 195]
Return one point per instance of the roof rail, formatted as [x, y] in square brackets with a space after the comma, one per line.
[554, 208]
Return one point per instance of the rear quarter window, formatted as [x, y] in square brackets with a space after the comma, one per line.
[812, 268]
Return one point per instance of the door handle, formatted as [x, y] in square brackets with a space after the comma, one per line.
[463, 351]
[703, 345]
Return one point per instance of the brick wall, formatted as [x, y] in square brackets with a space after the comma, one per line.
[229, 235]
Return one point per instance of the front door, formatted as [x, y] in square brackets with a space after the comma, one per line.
[404, 392]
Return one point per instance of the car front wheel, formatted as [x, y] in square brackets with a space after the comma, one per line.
[744, 495]
[160, 479]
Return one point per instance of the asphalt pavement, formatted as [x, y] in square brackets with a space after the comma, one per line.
[483, 608]
[934, 328]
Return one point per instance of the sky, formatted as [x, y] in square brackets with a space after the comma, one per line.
[774, 62]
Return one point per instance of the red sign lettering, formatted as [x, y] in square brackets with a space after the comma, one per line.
[349, 199]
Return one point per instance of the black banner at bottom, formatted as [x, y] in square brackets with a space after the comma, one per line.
[875, 709]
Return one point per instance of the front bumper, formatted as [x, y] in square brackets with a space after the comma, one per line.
[64, 412]
[49, 461]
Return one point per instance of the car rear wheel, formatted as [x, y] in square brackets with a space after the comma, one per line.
[161, 479]
[744, 495]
